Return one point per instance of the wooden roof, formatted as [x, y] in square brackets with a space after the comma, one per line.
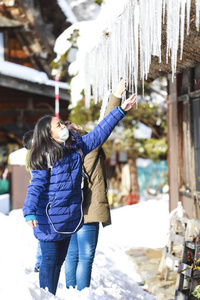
[32, 87]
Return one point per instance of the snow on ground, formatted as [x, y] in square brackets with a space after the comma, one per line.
[141, 225]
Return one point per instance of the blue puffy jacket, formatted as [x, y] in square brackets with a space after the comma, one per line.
[56, 199]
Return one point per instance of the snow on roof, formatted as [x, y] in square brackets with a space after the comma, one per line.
[90, 31]
[29, 74]
[84, 40]
[67, 11]
[89, 35]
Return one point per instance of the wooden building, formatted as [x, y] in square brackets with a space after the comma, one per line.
[28, 30]
[184, 140]
[183, 120]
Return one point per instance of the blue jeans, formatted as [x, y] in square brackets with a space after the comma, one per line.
[38, 256]
[80, 256]
[53, 256]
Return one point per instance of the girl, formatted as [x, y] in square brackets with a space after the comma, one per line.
[53, 205]
[83, 243]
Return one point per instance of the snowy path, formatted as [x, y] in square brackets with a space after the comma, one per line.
[113, 277]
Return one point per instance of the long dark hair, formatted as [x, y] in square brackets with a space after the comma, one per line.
[44, 144]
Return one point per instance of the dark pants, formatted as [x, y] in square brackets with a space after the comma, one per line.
[53, 256]
[80, 256]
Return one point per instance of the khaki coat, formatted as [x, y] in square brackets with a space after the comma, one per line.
[96, 207]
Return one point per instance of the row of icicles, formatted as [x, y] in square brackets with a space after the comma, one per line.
[131, 40]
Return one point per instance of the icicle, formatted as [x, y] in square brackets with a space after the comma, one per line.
[173, 21]
[131, 50]
[188, 15]
[95, 88]
[124, 49]
[159, 29]
[169, 8]
[132, 39]
[182, 25]
[104, 105]
[164, 4]
[142, 38]
[87, 84]
[136, 44]
[197, 13]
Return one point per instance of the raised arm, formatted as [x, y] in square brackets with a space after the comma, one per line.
[115, 100]
[102, 131]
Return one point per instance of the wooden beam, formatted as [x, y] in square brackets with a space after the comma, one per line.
[9, 106]
[32, 87]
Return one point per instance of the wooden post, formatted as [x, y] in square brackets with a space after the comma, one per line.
[133, 176]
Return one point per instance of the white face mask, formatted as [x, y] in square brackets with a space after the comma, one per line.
[63, 135]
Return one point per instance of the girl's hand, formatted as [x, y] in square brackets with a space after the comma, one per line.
[128, 103]
[32, 223]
